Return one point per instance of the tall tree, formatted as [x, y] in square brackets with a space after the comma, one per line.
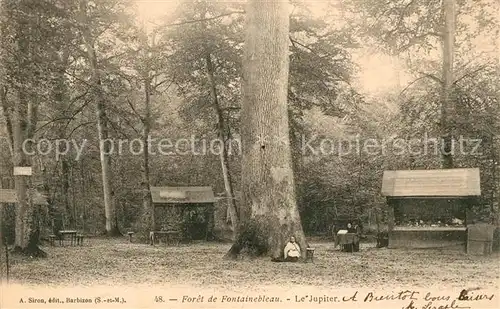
[26, 35]
[224, 139]
[407, 26]
[209, 41]
[147, 202]
[448, 115]
[90, 30]
[269, 212]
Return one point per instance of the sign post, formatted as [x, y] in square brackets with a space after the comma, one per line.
[10, 196]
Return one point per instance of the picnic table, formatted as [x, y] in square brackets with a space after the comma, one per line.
[72, 235]
[347, 241]
[171, 236]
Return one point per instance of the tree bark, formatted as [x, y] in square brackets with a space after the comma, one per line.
[269, 213]
[65, 192]
[448, 114]
[102, 125]
[27, 228]
[221, 135]
[145, 72]
[61, 97]
[23, 122]
[146, 184]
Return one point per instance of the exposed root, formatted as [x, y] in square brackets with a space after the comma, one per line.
[31, 251]
[250, 242]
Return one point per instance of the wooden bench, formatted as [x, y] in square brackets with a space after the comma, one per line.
[79, 240]
[72, 234]
[52, 239]
[130, 234]
[310, 254]
[171, 236]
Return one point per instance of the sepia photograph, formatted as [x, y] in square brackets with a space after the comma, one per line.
[250, 154]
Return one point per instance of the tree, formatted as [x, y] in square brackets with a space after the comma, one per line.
[223, 152]
[27, 34]
[90, 19]
[206, 63]
[269, 212]
[406, 26]
[448, 115]
[205, 57]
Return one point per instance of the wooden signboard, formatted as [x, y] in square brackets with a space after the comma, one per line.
[22, 171]
[182, 195]
[176, 195]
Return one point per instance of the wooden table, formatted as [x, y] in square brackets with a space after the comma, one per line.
[348, 240]
[169, 235]
[72, 235]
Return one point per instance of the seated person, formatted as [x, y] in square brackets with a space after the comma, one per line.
[292, 251]
[357, 227]
[350, 228]
[352, 247]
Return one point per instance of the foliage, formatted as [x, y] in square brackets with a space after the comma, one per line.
[324, 101]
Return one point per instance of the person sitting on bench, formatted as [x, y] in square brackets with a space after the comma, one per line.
[292, 251]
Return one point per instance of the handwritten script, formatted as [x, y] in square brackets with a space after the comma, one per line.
[466, 299]
[165, 298]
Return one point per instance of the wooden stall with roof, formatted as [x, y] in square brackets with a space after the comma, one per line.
[182, 213]
[430, 208]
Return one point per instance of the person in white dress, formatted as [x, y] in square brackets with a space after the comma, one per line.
[292, 250]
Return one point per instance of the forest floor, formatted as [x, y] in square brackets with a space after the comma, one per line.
[118, 262]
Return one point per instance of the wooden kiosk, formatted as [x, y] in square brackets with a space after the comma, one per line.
[430, 208]
[179, 200]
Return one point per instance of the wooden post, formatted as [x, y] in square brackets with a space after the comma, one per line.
[4, 268]
[153, 217]
[390, 219]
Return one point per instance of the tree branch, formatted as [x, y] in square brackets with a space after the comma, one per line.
[79, 126]
[431, 76]
[135, 111]
[470, 73]
[202, 19]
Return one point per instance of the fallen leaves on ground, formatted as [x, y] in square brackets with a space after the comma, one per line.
[117, 262]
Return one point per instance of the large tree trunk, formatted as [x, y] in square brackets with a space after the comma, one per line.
[447, 102]
[27, 227]
[61, 97]
[221, 134]
[148, 214]
[65, 192]
[298, 165]
[102, 126]
[269, 213]
[23, 122]
[146, 184]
